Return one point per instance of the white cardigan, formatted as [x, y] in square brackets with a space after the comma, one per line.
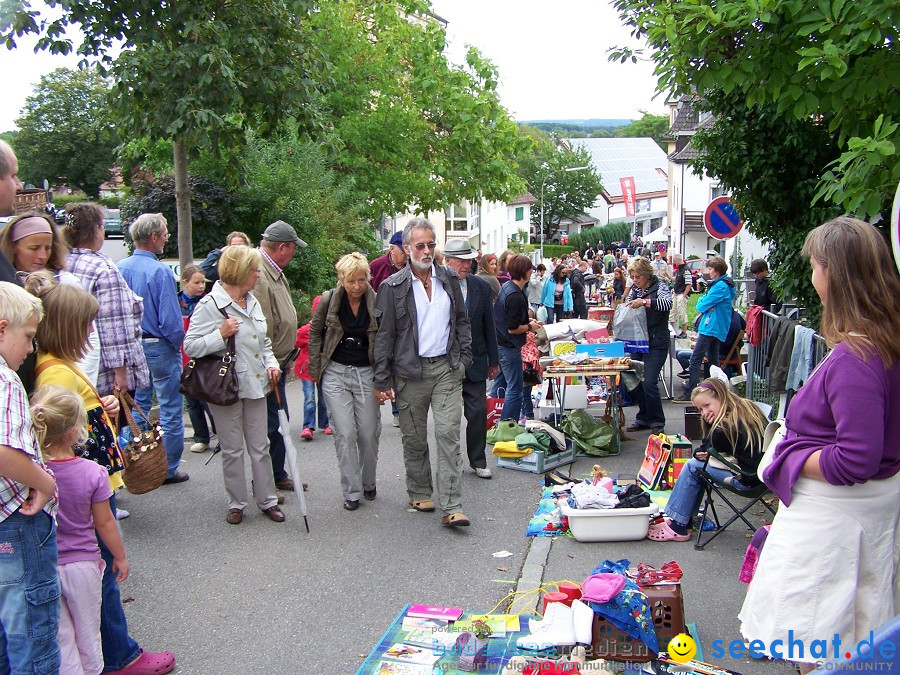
[253, 348]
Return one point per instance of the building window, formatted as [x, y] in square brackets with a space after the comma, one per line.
[717, 191]
[457, 217]
[520, 213]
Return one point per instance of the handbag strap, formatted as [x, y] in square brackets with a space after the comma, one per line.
[126, 403]
[230, 341]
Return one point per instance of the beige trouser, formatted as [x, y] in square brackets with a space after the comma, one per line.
[678, 314]
[245, 422]
[356, 422]
[441, 390]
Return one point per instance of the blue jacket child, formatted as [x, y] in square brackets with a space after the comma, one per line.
[715, 308]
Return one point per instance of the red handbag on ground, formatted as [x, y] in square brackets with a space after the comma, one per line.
[494, 410]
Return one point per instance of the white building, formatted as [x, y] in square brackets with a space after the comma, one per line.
[638, 158]
[487, 225]
[690, 193]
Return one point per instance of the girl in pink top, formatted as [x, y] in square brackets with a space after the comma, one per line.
[60, 421]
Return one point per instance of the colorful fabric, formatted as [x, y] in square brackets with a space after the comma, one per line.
[629, 611]
[751, 557]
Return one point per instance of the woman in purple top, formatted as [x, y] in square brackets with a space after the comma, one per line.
[829, 566]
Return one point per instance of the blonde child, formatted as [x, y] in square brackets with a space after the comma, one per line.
[60, 421]
[734, 428]
[28, 500]
[193, 287]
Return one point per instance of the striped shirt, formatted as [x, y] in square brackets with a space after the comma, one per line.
[16, 432]
[119, 319]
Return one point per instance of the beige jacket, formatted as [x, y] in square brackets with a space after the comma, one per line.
[252, 347]
[274, 295]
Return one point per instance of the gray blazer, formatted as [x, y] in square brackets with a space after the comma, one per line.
[253, 349]
[397, 340]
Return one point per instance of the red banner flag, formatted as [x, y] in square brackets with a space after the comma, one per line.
[628, 195]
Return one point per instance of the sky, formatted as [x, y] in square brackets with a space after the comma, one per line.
[551, 57]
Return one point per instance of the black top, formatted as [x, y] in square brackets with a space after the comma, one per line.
[747, 453]
[353, 349]
[764, 295]
[680, 282]
[510, 311]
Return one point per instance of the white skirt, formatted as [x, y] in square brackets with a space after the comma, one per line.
[828, 567]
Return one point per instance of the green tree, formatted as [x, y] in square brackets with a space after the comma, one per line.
[65, 132]
[834, 61]
[772, 166]
[413, 130]
[567, 194]
[652, 126]
[196, 73]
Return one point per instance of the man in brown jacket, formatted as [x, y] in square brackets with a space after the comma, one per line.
[279, 242]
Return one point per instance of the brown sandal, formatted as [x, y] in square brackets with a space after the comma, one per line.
[458, 519]
[424, 505]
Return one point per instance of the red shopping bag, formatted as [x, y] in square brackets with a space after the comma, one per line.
[494, 409]
[656, 459]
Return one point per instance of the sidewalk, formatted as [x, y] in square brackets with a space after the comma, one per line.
[711, 590]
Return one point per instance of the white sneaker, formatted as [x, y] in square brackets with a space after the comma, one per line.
[200, 447]
[396, 420]
[483, 473]
[583, 620]
[121, 514]
[557, 629]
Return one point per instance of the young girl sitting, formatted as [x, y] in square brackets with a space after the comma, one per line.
[734, 427]
[60, 421]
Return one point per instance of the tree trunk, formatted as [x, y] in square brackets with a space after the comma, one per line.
[183, 204]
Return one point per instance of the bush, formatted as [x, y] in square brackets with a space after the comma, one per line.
[212, 213]
[556, 250]
[60, 201]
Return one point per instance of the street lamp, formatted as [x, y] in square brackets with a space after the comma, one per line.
[543, 182]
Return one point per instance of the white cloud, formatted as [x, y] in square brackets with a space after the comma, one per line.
[552, 56]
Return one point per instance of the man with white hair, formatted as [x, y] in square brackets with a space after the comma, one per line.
[422, 349]
[9, 186]
[162, 332]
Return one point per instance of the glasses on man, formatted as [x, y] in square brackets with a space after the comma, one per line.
[431, 245]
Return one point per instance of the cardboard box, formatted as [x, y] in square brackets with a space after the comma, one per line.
[614, 348]
[539, 461]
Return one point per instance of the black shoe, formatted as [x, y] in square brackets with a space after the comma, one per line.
[684, 398]
[682, 335]
[351, 504]
[370, 494]
[636, 427]
[656, 431]
[179, 477]
[684, 374]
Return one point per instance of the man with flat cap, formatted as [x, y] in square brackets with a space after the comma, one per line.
[476, 292]
[273, 292]
[391, 262]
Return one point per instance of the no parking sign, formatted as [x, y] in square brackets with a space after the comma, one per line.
[721, 219]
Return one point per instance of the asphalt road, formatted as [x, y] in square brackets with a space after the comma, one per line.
[263, 597]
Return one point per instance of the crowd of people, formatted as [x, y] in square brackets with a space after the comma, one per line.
[423, 330]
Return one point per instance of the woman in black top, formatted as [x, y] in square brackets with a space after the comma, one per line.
[341, 355]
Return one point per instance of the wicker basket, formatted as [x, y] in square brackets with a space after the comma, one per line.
[146, 465]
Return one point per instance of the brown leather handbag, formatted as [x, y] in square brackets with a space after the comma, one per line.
[212, 378]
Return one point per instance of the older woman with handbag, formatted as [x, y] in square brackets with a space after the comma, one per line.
[231, 310]
[650, 293]
[341, 356]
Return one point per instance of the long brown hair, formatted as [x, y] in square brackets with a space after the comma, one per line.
[485, 260]
[863, 287]
[735, 412]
